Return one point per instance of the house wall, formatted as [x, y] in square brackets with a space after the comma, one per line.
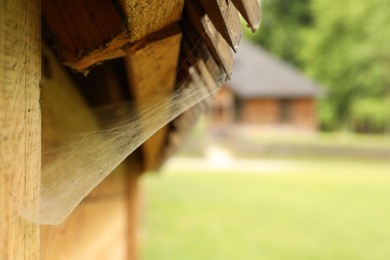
[300, 113]
[262, 112]
[304, 114]
[222, 110]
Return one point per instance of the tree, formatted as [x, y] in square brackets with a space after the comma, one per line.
[342, 44]
[281, 26]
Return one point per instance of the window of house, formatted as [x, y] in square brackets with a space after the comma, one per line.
[284, 110]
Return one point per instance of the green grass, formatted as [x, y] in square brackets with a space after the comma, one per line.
[319, 209]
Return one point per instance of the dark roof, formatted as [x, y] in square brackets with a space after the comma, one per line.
[259, 74]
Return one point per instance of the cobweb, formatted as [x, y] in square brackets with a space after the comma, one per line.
[81, 150]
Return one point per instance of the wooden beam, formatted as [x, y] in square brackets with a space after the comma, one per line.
[251, 11]
[134, 205]
[152, 76]
[20, 147]
[146, 17]
[88, 32]
[224, 16]
[84, 32]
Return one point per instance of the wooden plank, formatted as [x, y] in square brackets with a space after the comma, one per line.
[63, 107]
[134, 205]
[96, 229]
[146, 17]
[224, 16]
[152, 73]
[104, 85]
[210, 84]
[251, 11]
[195, 18]
[180, 129]
[84, 32]
[99, 227]
[210, 74]
[88, 32]
[192, 53]
[20, 126]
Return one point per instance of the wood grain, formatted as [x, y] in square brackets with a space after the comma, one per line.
[251, 11]
[194, 50]
[148, 16]
[224, 16]
[19, 126]
[96, 229]
[134, 201]
[84, 32]
[194, 18]
[151, 71]
[99, 227]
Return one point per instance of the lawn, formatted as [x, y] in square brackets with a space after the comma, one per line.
[271, 209]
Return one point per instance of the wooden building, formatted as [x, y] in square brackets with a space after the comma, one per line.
[267, 93]
[87, 53]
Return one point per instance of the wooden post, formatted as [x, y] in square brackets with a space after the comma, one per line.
[20, 126]
[134, 207]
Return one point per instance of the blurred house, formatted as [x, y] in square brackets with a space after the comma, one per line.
[267, 93]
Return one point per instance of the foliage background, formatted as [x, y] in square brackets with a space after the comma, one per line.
[344, 45]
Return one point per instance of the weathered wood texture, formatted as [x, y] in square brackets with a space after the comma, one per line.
[152, 76]
[19, 126]
[63, 107]
[84, 32]
[134, 204]
[88, 32]
[251, 11]
[193, 50]
[224, 16]
[146, 17]
[96, 229]
[146, 33]
[198, 26]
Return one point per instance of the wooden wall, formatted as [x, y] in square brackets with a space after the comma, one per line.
[222, 110]
[266, 112]
[104, 226]
[304, 113]
[262, 112]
